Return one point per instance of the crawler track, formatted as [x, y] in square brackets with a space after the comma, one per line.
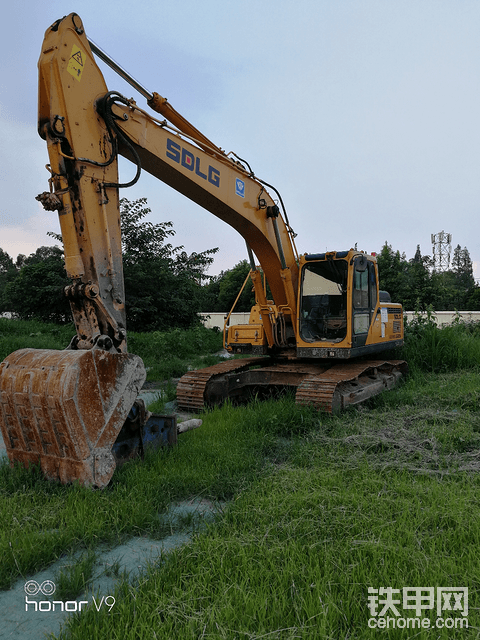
[191, 387]
[348, 384]
[326, 385]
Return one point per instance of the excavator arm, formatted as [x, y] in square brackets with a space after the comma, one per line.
[65, 409]
[82, 164]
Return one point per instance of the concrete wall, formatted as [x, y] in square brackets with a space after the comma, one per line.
[215, 319]
[447, 317]
[442, 317]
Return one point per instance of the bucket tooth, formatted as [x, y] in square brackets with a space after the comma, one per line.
[64, 409]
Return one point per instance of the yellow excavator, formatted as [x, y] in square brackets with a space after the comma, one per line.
[75, 412]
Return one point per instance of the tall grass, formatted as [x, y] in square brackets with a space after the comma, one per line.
[384, 495]
[72, 580]
[336, 509]
[438, 349]
[321, 508]
[169, 354]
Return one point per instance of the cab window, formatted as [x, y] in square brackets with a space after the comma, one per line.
[365, 288]
[324, 301]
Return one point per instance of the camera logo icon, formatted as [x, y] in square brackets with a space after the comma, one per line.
[47, 588]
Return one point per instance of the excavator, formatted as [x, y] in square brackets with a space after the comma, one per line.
[75, 411]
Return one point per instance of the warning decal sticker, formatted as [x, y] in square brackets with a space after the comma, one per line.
[76, 62]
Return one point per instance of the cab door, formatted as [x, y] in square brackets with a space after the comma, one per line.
[364, 299]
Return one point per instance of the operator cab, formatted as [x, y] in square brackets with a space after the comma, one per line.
[327, 307]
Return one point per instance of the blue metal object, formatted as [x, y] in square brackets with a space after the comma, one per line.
[136, 434]
[159, 431]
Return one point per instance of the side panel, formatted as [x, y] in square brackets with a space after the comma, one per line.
[387, 324]
[247, 338]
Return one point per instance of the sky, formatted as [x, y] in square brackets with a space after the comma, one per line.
[364, 114]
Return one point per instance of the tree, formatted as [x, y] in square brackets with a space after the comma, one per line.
[392, 271]
[419, 293]
[464, 282]
[141, 239]
[8, 272]
[415, 285]
[37, 290]
[163, 284]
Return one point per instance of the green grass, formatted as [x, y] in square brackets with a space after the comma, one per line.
[437, 349]
[166, 354]
[72, 579]
[320, 508]
[42, 520]
[295, 555]
[385, 496]
[20, 334]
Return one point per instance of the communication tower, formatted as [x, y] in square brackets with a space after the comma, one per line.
[442, 247]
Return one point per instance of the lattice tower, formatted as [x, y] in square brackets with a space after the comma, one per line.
[442, 248]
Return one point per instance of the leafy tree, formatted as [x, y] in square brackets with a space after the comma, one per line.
[392, 270]
[141, 239]
[20, 261]
[37, 290]
[420, 292]
[415, 285]
[464, 282]
[417, 258]
[163, 284]
[210, 293]
[6, 262]
[8, 272]
[473, 302]
[41, 254]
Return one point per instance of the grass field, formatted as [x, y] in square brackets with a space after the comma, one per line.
[320, 508]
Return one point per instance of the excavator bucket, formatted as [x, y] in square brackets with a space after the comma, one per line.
[64, 409]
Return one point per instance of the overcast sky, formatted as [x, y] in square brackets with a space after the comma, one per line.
[364, 114]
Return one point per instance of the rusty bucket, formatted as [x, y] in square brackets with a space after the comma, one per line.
[64, 409]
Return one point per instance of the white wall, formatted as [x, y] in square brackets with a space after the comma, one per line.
[215, 319]
[447, 317]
